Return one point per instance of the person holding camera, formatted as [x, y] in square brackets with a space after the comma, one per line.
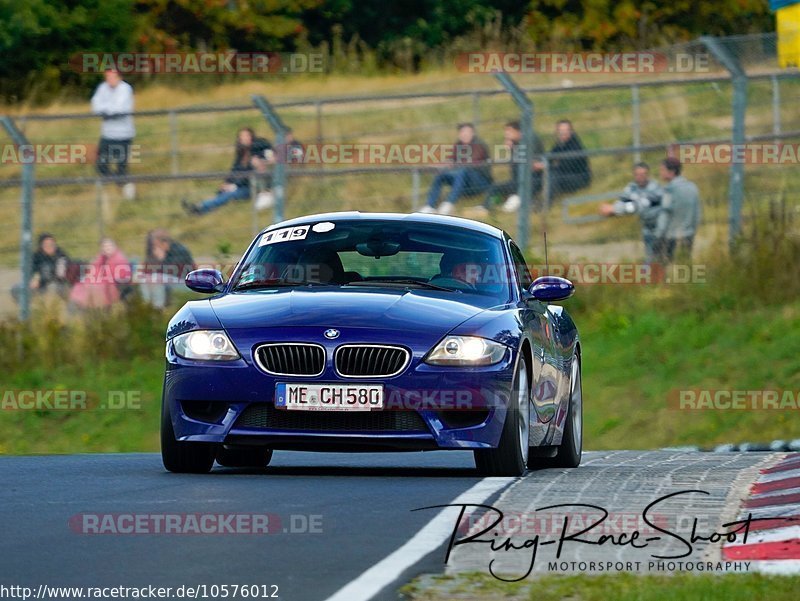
[642, 196]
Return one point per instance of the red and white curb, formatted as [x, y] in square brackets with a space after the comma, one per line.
[773, 545]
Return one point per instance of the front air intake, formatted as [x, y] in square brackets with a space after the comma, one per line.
[291, 359]
[370, 360]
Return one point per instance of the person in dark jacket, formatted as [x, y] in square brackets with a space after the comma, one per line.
[252, 154]
[507, 190]
[166, 265]
[49, 269]
[571, 173]
[469, 175]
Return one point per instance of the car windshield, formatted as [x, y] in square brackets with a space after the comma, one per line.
[374, 253]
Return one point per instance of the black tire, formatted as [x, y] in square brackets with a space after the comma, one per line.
[511, 455]
[184, 457]
[255, 457]
[569, 452]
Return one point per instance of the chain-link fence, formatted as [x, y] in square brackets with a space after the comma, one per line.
[681, 100]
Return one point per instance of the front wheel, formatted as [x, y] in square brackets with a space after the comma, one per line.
[511, 454]
[180, 456]
[569, 452]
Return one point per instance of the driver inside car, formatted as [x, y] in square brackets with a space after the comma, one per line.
[462, 267]
[316, 265]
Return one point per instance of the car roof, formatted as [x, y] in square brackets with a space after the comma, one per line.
[429, 218]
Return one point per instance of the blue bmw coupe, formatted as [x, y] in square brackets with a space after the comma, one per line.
[374, 332]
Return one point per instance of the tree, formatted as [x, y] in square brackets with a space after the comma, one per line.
[38, 39]
[245, 26]
[613, 24]
[432, 23]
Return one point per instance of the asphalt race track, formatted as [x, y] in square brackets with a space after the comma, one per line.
[364, 502]
[340, 525]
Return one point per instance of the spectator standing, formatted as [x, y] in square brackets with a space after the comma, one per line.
[571, 173]
[99, 287]
[641, 196]
[252, 154]
[113, 101]
[680, 214]
[469, 175]
[50, 267]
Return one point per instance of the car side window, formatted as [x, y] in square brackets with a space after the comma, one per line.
[523, 274]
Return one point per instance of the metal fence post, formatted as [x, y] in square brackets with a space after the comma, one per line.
[253, 197]
[739, 112]
[636, 123]
[524, 167]
[173, 138]
[279, 171]
[26, 235]
[318, 106]
[476, 109]
[546, 194]
[99, 192]
[414, 189]
[776, 106]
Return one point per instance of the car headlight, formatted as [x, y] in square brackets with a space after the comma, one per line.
[205, 345]
[466, 351]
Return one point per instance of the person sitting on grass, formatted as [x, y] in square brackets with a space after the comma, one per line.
[573, 172]
[50, 270]
[292, 152]
[101, 281]
[253, 154]
[512, 138]
[167, 263]
[469, 175]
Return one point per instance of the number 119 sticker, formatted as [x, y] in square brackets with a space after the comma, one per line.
[286, 234]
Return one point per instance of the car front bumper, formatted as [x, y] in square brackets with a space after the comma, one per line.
[437, 407]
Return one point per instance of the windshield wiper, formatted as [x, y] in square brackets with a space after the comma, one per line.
[277, 284]
[421, 284]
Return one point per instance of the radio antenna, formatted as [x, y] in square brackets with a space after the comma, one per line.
[546, 263]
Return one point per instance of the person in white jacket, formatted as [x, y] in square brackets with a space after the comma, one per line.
[113, 101]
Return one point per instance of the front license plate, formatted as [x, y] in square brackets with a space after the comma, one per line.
[329, 397]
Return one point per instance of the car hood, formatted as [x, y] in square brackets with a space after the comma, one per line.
[417, 310]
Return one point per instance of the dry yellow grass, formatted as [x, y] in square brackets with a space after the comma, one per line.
[77, 214]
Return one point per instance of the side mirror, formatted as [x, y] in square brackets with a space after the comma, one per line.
[550, 288]
[205, 280]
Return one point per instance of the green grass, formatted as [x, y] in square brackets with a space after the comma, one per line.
[635, 364]
[619, 587]
[104, 425]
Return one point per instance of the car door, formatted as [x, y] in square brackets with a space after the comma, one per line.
[536, 324]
